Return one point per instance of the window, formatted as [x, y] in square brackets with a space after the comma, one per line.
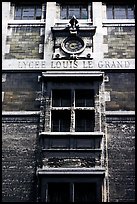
[28, 12]
[120, 12]
[80, 11]
[60, 121]
[84, 98]
[84, 121]
[79, 192]
[81, 101]
[61, 98]
[85, 192]
[58, 192]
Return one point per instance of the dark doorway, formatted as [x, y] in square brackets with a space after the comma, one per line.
[85, 192]
[58, 192]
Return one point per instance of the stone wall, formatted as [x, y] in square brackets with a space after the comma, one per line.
[22, 91]
[121, 42]
[25, 43]
[20, 157]
[122, 91]
[121, 160]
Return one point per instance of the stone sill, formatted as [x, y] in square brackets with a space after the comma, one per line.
[72, 133]
[20, 113]
[83, 170]
[120, 113]
[118, 22]
[14, 23]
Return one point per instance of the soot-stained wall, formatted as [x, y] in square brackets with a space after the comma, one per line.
[121, 42]
[122, 91]
[22, 91]
[20, 158]
[121, 159]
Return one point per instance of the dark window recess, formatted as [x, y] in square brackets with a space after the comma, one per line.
[85, 192]
[61, 98]
[80, 11]
[58, 192]
[84, 98]
[120, 12]
[60, 121]
[28, 12]
[84, 121]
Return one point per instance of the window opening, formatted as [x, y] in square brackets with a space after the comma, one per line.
[28, 12]
[84, 121]
[84, 98]
[58, 192]
[61, 98]
[80, 11]
[120, 12]
[60, 121]
[85, 192]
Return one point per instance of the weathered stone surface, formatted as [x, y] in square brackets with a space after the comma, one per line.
[122, 91]
[21, 92]
[24, 43]
[121, 161]
[121, 42]
[20, 157]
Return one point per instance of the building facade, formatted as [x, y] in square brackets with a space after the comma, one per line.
[68, 101]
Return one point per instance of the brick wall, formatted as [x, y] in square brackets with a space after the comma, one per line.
[21, 91]
[24, 43]
[122, 91]
[121, 42]
[121, 161]
[20, 157]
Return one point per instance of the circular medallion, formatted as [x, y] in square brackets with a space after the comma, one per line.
[73, 45]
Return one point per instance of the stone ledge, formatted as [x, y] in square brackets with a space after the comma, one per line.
[120, 113]
[84, 171]
[20, 113]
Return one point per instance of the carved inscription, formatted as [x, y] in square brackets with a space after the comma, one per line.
[69, 64]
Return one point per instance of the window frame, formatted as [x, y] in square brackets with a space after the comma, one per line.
[59, 120]
[73, 110]
[73, 182]
[112, 8]
[27, 7]
[83, 115]
[69, 6]
[86, 99]
[57, 97]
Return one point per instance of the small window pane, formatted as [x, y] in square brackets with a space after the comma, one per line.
[84, 121]
[61, 98]
[120, 12]
[74, 11]
[84, 13]
[58, 192]
[18, 14]
[64, 13]
[110, 12]
[85, 193]
[60, 121]
[38, 13]
[84, 98]
[130, 12]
